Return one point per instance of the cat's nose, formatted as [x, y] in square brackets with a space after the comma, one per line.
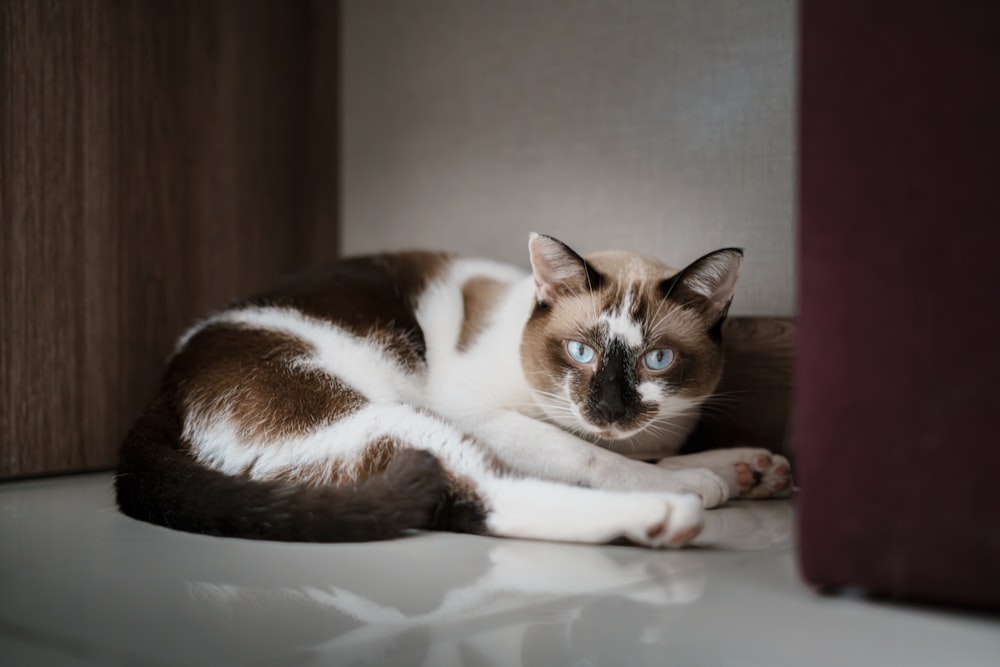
[610, 408]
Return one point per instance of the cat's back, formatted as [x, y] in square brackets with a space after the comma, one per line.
[374, 297]
[410, 294]
[373, 320]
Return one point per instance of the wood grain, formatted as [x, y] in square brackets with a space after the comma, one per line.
[156, 160]
[754, 400]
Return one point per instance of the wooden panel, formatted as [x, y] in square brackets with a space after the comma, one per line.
[156, 160]
[754, 400]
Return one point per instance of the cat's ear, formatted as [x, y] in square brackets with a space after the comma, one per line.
[707, 284]
[558, 269]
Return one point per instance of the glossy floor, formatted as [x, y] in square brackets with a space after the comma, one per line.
[82, 585]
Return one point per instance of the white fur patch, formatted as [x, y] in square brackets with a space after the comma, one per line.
[487, 376]
[621, 325]
[440, 310]
[536, 509]
[651, 392]
[218, 445]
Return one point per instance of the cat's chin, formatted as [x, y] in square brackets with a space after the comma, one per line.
[594, 432]
[612, 434]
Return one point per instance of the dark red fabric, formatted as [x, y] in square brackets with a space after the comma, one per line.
[897, 431]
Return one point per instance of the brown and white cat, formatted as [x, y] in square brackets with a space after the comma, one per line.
[380, 394]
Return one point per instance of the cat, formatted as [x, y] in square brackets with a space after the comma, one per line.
[377, 395]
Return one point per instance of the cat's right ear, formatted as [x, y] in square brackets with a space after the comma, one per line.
[558, 270]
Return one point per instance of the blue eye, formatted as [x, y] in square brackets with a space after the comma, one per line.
[580, 353]
[658, 360]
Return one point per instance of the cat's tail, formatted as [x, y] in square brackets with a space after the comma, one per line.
[160, 483]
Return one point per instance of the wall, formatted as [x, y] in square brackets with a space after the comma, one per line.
[156, 160]
[660, 125]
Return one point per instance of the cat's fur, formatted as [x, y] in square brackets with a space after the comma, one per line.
[422, 391]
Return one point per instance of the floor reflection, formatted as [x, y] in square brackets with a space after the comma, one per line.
[541, 587]
[76, 573]
[528, 600]
[747, 525]
[82, 584]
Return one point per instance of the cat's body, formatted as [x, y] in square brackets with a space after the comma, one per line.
[419, 390]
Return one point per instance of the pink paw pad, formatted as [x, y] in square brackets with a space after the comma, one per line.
[782, 484]
[657, 530]
[769, 476]
[685, 536]
[745, 478]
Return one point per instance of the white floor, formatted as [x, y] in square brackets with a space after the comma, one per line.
[82, 585]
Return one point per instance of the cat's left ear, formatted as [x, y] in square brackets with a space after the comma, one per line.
[558, 270]
[707, 284]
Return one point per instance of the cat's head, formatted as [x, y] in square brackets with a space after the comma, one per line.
[618, 342]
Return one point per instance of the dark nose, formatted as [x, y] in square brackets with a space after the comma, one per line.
[612, 391]
[610, 406]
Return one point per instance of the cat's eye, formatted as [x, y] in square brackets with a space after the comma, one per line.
[580, 352]
[658, 360]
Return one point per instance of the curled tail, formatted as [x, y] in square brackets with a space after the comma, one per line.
[160, 483]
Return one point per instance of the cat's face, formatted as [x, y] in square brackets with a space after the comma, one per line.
[618, 343]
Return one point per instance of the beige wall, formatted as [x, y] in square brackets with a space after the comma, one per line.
[660, 125]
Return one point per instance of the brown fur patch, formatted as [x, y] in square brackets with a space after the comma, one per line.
[372, 460]
[490, 460]
[462, 509]
[256, 378]
[479, 297]
[371, 297]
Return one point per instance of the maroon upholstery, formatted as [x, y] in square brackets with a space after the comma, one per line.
[897, 427]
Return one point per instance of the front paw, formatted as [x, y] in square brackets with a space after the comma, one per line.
[761, 474]
[702, 482]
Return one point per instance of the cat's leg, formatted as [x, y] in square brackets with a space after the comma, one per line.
[364, 442]
[749, 472]
[484, 495]
[537, 449]
[541, 510]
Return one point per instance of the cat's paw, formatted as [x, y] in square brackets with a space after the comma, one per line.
[758, 474]
[711, 488]
[667, 520]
